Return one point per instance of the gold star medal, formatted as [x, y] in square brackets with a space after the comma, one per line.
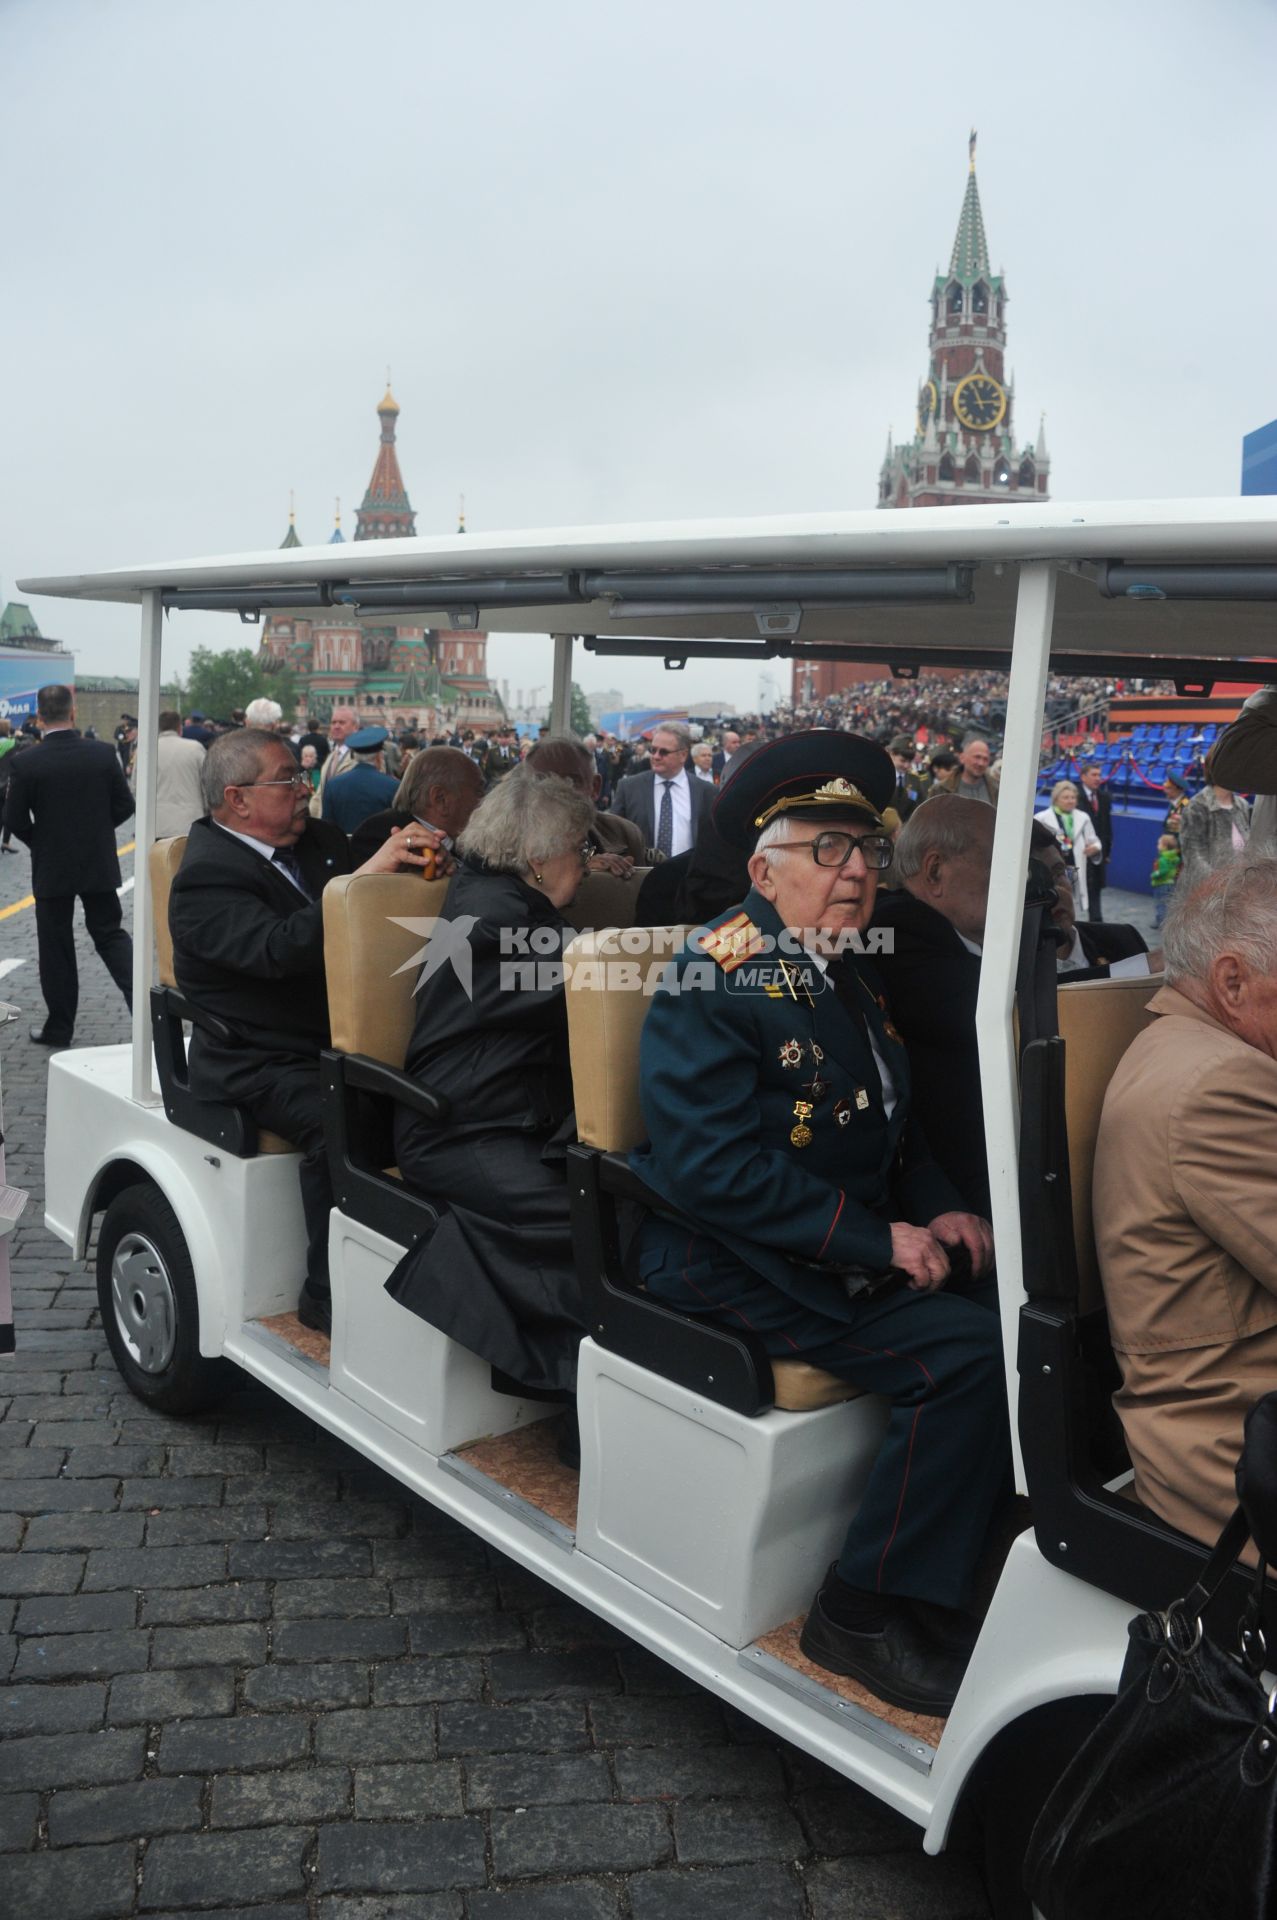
[800, 1134]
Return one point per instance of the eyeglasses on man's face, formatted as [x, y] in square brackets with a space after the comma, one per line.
[832, 849]
[293, 780]
[664, 753]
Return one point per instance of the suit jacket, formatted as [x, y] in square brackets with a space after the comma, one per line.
[614, 834]
[375, 831]
[932, 982]
[65, 799]
[635, 799]
[247, 946]
[1100, 807]
[1105, 941]
[721, 1070]
[179, 795]
[335, 767]
[349, 800]
[952, 783]
[1185, 1211]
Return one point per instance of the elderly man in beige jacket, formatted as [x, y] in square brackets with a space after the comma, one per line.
[1185, 1200]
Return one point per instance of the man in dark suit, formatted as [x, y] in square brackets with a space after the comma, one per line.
[246, 917]
[443, 786]
[911, 788]
[1094, 798]
[666, 803]
[65, 800]
[723, 758]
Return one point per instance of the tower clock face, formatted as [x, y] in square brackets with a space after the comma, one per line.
[979, 402]
[928, 399]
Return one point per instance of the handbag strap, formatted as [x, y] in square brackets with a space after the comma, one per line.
[1199, 1596]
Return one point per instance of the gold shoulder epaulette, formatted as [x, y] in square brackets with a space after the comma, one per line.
[736, 941]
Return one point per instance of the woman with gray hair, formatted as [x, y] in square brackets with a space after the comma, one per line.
[491, 1038]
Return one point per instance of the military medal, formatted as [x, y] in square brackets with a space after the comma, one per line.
[842, 1113]
[791, 1053]
[817, 1052]
[862, 1099]
[800, 1134]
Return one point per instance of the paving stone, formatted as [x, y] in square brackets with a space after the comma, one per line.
[297, 1797]
[408, 1790]
[57, 1406]
[165, 1696]
[897, 1886]
[11, 1527]
[218, 1457]
[237, 1869]
[408, 1683]
[534, 1780]
[112, 1463]
[339, 1685]
[642, 1672]
[62, 1532]
[18, 1815]
[442, 1854]
[39, 1709]
[202, 1490]
[25, 1465]
[243, 1645]
[77, 1434]
[216, 1746]
[568, 1625]
[843, 1818]
[553, 1676]
[67, 1656]
[22, 1573]
[760, 1892]
[132, 1812]
[392, 1906]
[656, 1723]
[585, 1900]
[470, 1591]
[482, 1729]
[340, 1639]
[329, 1520]
[669, 1773]
[719, 1832]
[77, 1613]
[276, 1487]
[433, 1633]
[204, 1525]
[306, 1599]
[378, 1733]
[51, 1495]
[189, 1606]
[74, 1759]
[587, 1838]
[155, 1567]
[299, 1559]
[273, 1910]
[86, 1883]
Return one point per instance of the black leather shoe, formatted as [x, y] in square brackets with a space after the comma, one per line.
[43, 1039]
[315, 1310]
[897, 1663]
[952, 1629]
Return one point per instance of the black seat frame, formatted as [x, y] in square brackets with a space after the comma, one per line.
[227, 1127]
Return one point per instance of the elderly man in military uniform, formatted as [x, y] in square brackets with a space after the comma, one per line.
[776, 1100]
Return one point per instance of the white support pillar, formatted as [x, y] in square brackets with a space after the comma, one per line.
[148, 733]
[1026, 699]
[561, 692]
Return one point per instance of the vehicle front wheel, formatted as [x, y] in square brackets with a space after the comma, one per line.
[150, 1308]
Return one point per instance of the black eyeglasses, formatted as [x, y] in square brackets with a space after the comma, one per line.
[293, 780]
[835, 849]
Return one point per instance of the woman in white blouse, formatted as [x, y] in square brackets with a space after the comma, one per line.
[1076, 835]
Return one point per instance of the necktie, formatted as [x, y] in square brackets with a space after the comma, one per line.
[284, 857]
[665, 826]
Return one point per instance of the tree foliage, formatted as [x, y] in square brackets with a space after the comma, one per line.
[580, 713]
[221, 683]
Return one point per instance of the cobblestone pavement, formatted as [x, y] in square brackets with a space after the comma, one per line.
[243, 1673]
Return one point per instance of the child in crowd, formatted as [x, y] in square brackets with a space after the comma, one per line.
[1164, 875]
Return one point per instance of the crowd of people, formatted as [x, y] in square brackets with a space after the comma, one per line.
[817, 1147]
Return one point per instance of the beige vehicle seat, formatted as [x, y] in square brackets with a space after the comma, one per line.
[605, 1023]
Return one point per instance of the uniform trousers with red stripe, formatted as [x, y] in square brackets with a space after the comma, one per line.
[944, 1466]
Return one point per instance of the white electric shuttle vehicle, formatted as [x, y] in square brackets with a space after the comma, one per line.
[711, 1495]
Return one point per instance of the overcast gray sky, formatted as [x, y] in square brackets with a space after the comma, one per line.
[625, 263]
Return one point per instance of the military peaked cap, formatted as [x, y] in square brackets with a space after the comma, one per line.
[819, 774]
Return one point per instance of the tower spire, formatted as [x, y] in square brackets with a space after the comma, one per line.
[290, 539]
[970, 256]
[337, 538]
[385, 512]
[461, 516]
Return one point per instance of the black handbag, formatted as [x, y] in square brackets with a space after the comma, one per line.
[1169, 1809]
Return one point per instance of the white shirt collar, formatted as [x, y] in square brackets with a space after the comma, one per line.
[259, 846]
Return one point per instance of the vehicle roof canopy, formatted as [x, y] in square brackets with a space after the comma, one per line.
[937, 581]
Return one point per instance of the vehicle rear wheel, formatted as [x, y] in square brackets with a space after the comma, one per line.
[150, 1308]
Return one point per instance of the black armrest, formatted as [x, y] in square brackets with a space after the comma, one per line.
[729, 1367]
[208, 1023]
[223, 1126]
[367, 1075]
